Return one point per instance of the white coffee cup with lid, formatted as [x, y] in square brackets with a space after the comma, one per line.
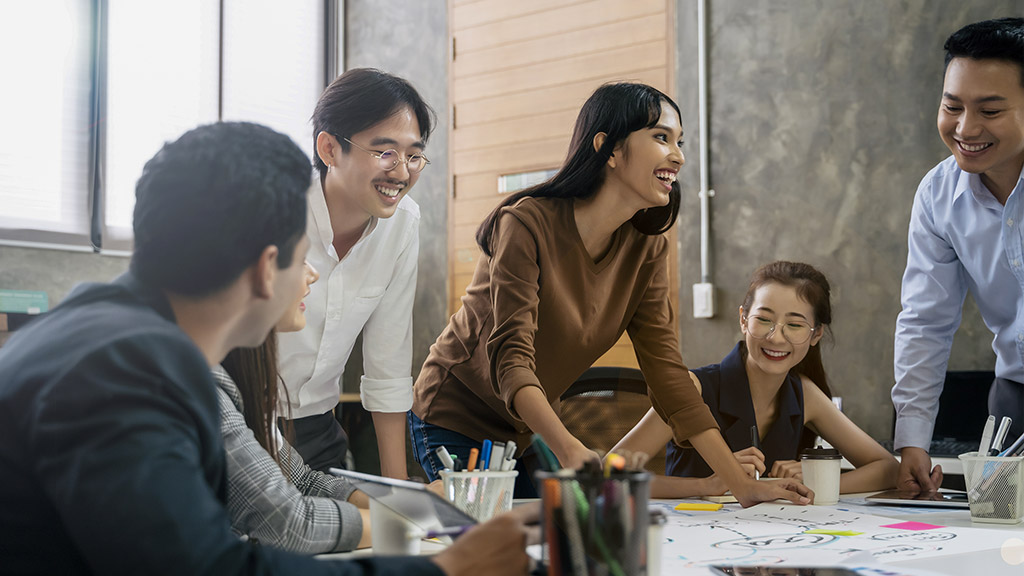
[820, 468]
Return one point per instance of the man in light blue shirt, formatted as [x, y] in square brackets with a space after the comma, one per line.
[965, 234]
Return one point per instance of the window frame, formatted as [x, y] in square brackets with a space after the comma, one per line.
[96, 240]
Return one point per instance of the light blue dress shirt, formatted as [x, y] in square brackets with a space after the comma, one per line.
[961, 238]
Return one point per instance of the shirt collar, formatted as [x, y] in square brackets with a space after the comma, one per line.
[968, 182]
[736, 398]
[735, 388]
[321, 218]
[227, 385]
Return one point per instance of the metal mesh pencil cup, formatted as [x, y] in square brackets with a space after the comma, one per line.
[593, 525]
[481, 494]
[995, 487]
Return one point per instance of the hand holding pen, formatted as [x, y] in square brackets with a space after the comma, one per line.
[755, 443]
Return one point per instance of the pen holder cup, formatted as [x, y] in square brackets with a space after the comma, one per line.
[595, 525]
[481, 494]
[995, 487]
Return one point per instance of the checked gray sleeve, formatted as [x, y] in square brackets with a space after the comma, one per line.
[303, 512]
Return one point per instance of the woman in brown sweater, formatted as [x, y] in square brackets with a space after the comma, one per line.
[567, 267]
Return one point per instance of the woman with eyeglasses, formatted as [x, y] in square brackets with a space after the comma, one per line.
[370, 129]
[568, 266]
[773, 385]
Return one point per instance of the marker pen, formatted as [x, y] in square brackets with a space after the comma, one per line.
[1000, 437]
[497, 456]
[485, 455]
[986, 436]
[755, 441]
[445, 457]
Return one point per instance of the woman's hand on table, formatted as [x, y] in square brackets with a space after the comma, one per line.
[752, 491]
[787, 469]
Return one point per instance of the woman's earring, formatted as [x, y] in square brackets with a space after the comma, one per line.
[330, 168]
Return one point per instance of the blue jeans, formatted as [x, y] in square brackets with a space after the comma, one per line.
[428, 437]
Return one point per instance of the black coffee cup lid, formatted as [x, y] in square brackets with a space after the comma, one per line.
[820, 454]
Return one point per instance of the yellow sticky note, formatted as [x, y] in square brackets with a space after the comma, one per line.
[708, 506]
[833, 532]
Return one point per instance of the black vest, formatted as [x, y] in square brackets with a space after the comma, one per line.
[726, 391]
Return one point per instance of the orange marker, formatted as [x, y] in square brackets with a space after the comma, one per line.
[613, 461]
[473, 455]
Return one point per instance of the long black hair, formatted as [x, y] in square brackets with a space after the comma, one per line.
[617, 110]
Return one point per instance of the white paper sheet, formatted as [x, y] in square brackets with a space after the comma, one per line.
[776, 534]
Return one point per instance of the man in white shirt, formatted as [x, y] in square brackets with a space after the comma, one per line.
[370, 129]
[965, 234]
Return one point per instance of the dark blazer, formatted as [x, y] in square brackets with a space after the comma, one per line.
[111, 458]
[726, 391]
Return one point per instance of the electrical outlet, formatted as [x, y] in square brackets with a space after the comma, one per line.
[703, 300]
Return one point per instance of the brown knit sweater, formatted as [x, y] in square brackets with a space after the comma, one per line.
[540, 312]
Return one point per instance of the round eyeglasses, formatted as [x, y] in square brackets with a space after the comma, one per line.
[388, 159]
[794, 331]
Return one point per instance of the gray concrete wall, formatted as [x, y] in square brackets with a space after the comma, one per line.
[822, 123]
[55, 271]
[409, 38]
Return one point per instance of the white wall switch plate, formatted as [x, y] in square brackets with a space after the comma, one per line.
[703, 300]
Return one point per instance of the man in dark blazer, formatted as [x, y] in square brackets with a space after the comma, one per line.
[111, 458]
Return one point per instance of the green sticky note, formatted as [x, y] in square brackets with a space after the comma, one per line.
[833, 532]
[23, 301]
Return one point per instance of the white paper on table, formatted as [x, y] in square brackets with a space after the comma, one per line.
[773, 533]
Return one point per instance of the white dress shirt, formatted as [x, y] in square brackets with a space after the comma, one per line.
[371, 290]
[960, 239]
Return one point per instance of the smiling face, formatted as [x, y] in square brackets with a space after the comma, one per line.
[294, 317]
[779, 304]
[356, 177]
[647, 161]
[981, 119]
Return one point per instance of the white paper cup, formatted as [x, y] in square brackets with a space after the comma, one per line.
[390, 532]
[821, 473]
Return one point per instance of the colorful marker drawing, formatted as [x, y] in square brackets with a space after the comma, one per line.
[778, 533]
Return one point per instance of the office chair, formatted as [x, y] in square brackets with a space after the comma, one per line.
[603, 404]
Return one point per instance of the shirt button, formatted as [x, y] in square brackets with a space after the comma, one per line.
[1020, 337]
[1009, 221]
[1016, 263]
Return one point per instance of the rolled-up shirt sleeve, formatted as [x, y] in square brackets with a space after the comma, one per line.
[932, 296]
[514, 273]
[386, 385]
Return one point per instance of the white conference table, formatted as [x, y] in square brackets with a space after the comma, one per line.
[980, 563]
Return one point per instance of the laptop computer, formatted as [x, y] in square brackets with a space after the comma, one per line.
[963, 409]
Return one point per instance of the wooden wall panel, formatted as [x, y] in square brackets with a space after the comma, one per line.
[559, 18]
[517, 105]
[599, 39]
[520, 72]
[516, 130]
[615, 63]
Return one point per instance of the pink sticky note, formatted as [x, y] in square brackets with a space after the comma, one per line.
[912, 526]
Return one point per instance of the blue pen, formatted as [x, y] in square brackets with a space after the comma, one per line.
[485, 454]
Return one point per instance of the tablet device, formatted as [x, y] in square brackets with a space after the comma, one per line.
[410, 500]
[776, 570]
[913, 498]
